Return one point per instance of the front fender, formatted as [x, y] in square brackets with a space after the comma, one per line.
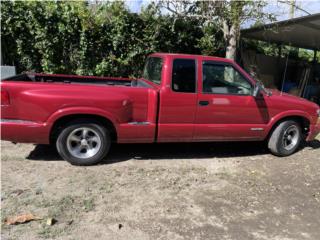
[291, 113]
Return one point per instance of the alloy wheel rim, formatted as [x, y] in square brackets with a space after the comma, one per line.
[290, 138]
[83, 142]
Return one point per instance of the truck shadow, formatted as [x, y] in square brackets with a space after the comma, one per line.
[167, 151]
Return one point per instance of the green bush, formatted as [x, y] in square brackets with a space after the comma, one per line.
[103, 39]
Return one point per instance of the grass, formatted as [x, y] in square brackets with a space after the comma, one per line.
[61, 207]
[52, 231]
[88, 204]
[106, 188]
[64, 210]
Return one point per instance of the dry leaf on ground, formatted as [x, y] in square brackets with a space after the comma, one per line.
[21, 219]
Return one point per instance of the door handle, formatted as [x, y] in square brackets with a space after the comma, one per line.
[203, 103]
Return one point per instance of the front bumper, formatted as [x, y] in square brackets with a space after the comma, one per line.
[15, 130]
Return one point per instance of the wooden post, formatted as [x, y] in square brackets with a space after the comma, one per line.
[278, 79]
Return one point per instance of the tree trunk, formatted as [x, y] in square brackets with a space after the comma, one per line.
[231, 50]
[231, 37]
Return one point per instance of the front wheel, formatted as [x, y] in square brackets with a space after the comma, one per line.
[285, 139]
[82, 143]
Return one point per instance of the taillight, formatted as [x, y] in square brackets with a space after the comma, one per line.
[5, 99]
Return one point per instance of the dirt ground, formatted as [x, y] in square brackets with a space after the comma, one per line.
[167, 191]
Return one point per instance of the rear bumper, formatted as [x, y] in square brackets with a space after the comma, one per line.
[314, 131]
[24, 131]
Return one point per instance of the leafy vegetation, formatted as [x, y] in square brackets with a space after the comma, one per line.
[106, 39]
[95, 39]
[226, 15]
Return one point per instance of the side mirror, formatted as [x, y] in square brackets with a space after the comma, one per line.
[260, 88]
[257, 89]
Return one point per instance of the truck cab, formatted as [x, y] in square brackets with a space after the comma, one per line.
[204, 98]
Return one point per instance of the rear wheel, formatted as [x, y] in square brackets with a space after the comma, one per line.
[286, 138]
[83, 143]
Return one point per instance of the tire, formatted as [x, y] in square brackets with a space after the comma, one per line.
[285, 138]
[83, 143]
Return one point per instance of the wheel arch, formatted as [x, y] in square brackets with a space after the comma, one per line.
[302, 119]
[62, 121]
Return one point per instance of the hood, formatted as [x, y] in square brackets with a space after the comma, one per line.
[276, 92]
[294, 101]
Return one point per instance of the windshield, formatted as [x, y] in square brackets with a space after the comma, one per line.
[152, 70]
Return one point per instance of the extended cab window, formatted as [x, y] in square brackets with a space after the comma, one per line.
[152, 70]
[224, 79]
[184, 75]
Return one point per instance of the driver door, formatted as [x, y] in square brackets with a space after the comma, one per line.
[226, 109]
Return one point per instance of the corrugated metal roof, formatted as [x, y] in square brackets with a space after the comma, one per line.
[302, 32]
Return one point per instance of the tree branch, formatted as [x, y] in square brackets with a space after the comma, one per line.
[295, 6]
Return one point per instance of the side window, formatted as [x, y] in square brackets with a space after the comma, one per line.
[224, 79]
[152, 70]
[184, 75]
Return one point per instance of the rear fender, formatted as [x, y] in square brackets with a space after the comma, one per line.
[82, 110]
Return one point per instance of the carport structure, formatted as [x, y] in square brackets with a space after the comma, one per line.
[284, 72]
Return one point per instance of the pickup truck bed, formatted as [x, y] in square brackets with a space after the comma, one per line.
[37, 101]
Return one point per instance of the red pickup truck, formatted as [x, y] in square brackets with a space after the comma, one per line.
[180, 98]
